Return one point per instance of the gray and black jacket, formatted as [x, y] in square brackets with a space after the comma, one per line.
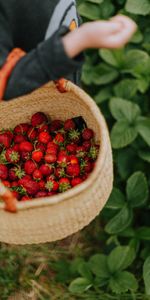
[36, 26]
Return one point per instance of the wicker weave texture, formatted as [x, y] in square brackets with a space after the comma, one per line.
[53, 218]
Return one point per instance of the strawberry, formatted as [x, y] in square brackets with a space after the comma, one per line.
[69, 124]
[50, 158]
[12, 156]
[29, 167]
[31, 187]
[50, 177]
[5, 140]
[73, 170]
[75, 181]
[87, 134]
[37, 175]
[93, 152]
[43, 127]
[87, 145]
[3, 172]
[41, 184]
[86, 165]
[52, 185]
[6, 183]
[38, 119]
[16, 173]
[55, 125]
[15, 147]
[32, 133]
[46, 170]
[25, 198]
[16, 195]
[24, 179]
[37, 155]
[25, 155]
[51, 193]
[59, 172]
[64, 184]
[9, 132]
[73, 160]
[44, 137]
[52, 146]
[71, 148]
[21, 128]
[62, 159]
[74, 135]
[59, 139]
[26, 146]
[19, 138]
[81, 151]
[41, 194]
[40, 146]
[14, 184]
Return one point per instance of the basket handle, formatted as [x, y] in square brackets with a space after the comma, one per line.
[8, 198]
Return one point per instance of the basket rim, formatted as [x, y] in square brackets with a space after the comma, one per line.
[52, 200]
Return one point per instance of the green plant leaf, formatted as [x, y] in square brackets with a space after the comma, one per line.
[143, 233]
[123, 134]
[116, 200]
[120, 258]
[89, 10]
[124, 160]
[79, 285]
[114, 58]
[145, 155]
[143, 128]
[98, 265]
[137, 61]
[138, 7]
[120, 221]
[126, 88]
[95, 1]
[124, 110]
[137, 189]
[146, 275]
[103, 95]
[103, 74]
[123, 282]
[84, 271]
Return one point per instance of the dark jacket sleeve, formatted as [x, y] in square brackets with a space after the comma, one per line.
[48, 61]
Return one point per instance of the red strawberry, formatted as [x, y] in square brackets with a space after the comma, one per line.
[69, 124]
[31, 187]
[73, 170]
[41, 185]
[52, 185]
[37, 155]
[88, 166]
[51, 193]
[15, 147]
[6, 183]
[87, 134]
[74, 135]
[29, 167]
[32, 133]
[50, 177]
[44, 137]
[5, 140]
[75, 181]
[12, 174]
[25, 198]
[55, 125]
[64, 185]
[21, 128]
[3, 172]
[16, 194]
[25, 155]
[43, 127]
[40, 146]
[59, 139]
[14, 184]
[71, 148]
[73, 160]
[12, 156]
[41, 194]
[52, 145]
[50, 158]
[62, 159]
[87, 145]
[19, 138]
[25, 179]
[9, 133]
[16, 173]
[81, 151]
[59, 172]
[46, 169]
[37, 175]
[26, 146]
[38, 119]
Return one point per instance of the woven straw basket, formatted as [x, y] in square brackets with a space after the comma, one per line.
[56, 217]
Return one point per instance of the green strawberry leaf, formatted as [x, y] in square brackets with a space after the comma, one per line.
[103, 74]
[120, 258]
[143, 233]
[89, 10]
[123, 134]
[124, 110]
[116, 200]
[126, 88]
[146, 275]
[123, 282]
[143, 128]
[79, 285]
[138, 7]
[114, 58]
[120, 221]
[103, 95]
[84, 271]
[98, 265]
[137, 189]
[144, 154]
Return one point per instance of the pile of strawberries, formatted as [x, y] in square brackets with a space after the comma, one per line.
[45, 157]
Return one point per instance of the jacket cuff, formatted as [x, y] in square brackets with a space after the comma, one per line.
[54, 59]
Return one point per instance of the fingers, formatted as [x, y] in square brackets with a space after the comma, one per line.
[108, 27]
